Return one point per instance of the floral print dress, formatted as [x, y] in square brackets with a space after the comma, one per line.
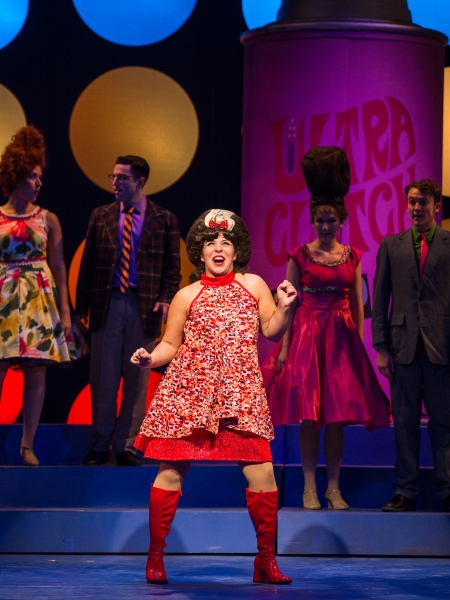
[30, 327]
[211, 403]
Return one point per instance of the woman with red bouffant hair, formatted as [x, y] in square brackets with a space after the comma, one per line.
[35, 325]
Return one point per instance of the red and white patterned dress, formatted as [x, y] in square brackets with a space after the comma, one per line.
[211, 403]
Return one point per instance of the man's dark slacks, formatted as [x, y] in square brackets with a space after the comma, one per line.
[419, 380]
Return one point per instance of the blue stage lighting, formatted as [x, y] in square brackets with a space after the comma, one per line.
[135, 22]
[434, 14]
[258, 13]
[12, 17]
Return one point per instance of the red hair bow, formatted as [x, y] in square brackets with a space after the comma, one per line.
[220, 225]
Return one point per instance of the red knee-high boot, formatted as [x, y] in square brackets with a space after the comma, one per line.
[163, 505]
[263, 508]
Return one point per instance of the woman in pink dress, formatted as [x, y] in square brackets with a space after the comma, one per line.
[320, 374]
[211, 403]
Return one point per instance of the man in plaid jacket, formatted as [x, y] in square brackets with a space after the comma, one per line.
[123, 317]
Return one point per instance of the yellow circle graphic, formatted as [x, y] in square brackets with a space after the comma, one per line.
[13, 116]
[134, 110]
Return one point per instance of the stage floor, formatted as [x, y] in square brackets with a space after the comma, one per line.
[99, 577]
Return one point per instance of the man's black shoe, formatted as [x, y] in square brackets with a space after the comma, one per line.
[95, 458]
[445, 505]
[127, 459]
[399, 503]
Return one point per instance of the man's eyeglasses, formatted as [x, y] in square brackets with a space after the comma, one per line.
[120, 177]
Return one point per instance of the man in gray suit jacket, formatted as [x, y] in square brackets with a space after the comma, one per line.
[411, 333]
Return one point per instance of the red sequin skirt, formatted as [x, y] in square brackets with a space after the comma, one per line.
[228, 444]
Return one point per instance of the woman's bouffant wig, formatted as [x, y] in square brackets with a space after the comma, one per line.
[206, 228]
[21, 156]
[327, 175]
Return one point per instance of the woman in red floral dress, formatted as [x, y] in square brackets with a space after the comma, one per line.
[211, 404]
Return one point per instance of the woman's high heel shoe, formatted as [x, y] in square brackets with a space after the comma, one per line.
[335, 500]
[310, 500]
[28, 457]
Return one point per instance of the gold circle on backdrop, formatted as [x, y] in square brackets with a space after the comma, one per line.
[13, 116]
[134, 110]
[74, 269]
[446, 135]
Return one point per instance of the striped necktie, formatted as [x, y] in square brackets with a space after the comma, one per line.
[126, 249]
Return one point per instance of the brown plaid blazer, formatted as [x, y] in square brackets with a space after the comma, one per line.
[158, 261]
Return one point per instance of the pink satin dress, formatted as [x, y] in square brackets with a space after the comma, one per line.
[327, 376]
